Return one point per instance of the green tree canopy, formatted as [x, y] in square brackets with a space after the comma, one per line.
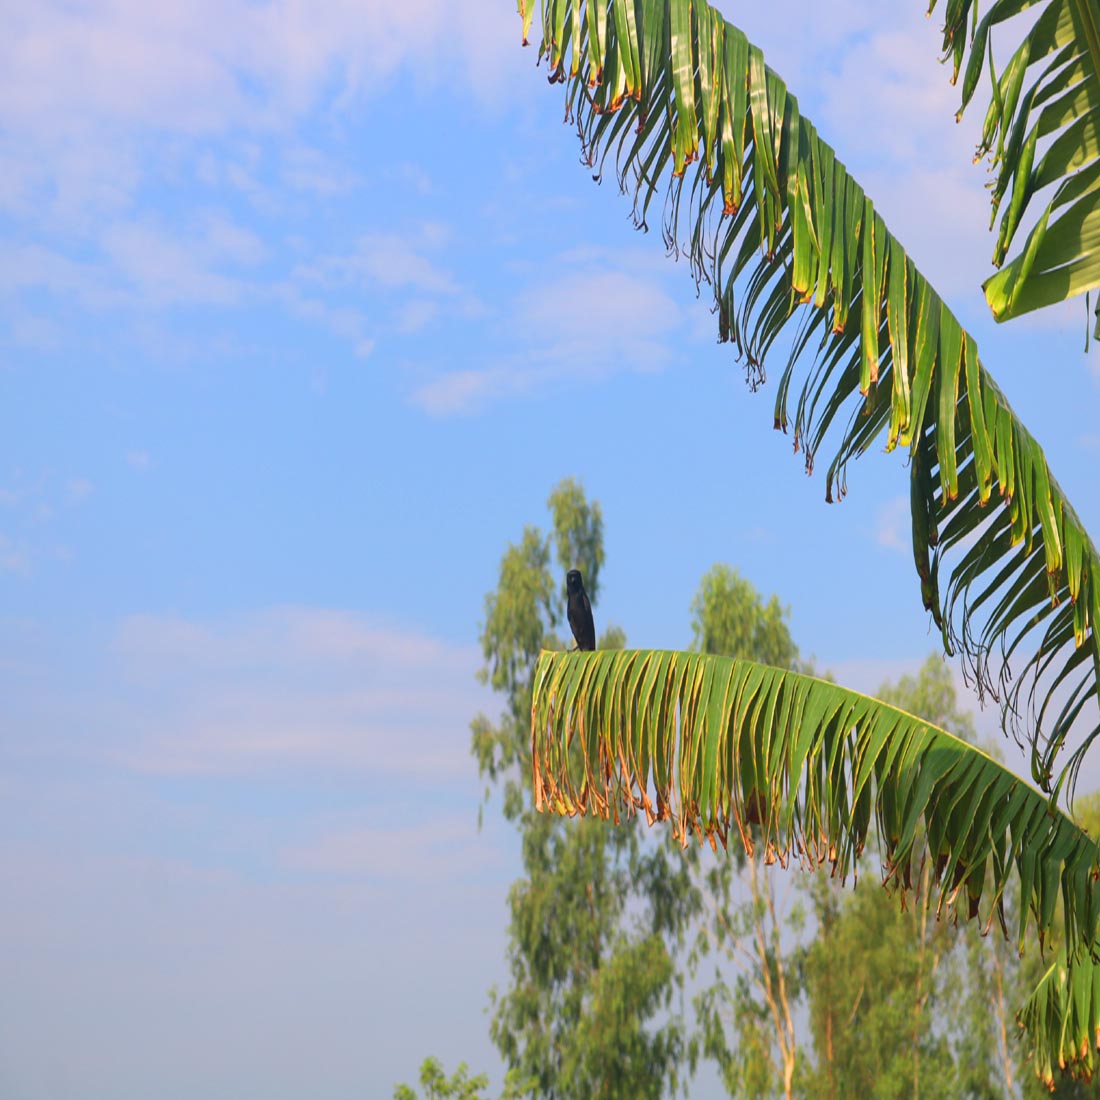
[729, 618]
[438, 1086]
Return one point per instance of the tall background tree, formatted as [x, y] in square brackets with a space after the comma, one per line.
[606, 924]
[599, 915]
[889, 989]
[746, 1012]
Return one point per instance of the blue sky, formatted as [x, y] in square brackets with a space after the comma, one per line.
[304, 309]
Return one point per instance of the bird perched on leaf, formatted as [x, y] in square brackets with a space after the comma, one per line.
[580, 611]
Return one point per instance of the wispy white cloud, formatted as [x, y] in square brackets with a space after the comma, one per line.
[441, 851]
[31, 504]
[35, 266]
[224, 239]
[284, 635]
[310, 170]
[297, 687]
[143, 261]
[892, 527]
[80, 488]
[81, 86]
[237, 168]
[460, 391]
[13, 556]
[390, 260]
[910, 115]
[416, 314]
[583, 325]
[346, 322]
[22, 487]
[164, 268]
[803, 41]
[107, 104]
[33, 330]
[400, 272]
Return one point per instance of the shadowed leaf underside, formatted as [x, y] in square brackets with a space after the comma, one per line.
[1062, 1019]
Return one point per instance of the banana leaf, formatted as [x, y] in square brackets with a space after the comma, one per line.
[729, 751]
[789, 244]
[1042, 135]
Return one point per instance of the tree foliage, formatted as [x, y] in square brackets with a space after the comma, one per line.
[729, 618]
[875, 979]
[600, 916]
[460, 1085]
[438, 1086]
[597, 917]
[578, 533]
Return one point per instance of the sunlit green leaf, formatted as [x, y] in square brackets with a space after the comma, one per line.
[740, 744]
[1042, 134]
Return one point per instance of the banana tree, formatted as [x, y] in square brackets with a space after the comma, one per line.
[786, 238]
[773, 223]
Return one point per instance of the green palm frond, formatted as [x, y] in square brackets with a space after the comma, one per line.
[782, 233]
[1062, 1019]
[731, 750]
[1042, 130]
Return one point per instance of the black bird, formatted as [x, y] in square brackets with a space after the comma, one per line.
[580, 611]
